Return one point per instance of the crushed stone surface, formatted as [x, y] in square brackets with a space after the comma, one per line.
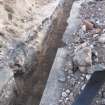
[91, 35]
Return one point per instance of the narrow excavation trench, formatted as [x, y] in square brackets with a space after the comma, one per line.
[35, 82]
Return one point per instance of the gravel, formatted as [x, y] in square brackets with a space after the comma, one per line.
[93, 39]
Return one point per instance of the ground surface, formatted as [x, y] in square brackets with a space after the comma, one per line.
[75, 80]
[21, 23]
[19, 20]
[18, 16]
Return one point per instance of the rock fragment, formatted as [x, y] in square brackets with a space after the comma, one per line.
[69, 66]
[95, 35]
[88, 25]
[84, 28]
[98, 30]
[82, 88]
[83, 59]
[67, 91]
[64, 94]
[102, 38]
[88, 76]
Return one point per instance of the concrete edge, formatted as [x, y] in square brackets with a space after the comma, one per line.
[53, 88]
[52, 91]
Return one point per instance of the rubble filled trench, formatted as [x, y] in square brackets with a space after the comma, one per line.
[30, 55]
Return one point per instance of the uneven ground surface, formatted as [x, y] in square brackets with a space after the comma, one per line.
[21, 36]
[19, 16]
[87, 45]
[19, 23]
[31, 32]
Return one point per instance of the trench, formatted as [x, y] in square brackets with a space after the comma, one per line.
[36, 82]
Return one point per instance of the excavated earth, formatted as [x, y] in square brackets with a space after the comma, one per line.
[30, 34]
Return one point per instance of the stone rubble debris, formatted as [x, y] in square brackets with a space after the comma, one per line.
[88, 25]
[102, 38]
[89, 52]
[82, 58]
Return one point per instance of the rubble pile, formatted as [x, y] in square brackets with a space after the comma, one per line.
[86, 53]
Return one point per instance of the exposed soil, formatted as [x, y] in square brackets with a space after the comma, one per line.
[33, 32]
[19, 21]
[19, 16]
[23, 27]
